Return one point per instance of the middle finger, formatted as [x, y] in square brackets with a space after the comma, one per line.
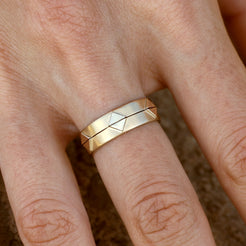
[209, 86]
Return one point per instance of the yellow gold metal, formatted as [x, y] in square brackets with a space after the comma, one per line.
[118, 122]
[103, 122]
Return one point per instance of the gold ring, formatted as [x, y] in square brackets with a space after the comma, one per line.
[118, 122]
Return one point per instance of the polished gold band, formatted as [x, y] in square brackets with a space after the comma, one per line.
[118, 122]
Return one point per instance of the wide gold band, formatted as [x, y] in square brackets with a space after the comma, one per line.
[118, 122]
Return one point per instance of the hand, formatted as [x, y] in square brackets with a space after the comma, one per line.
[65, 63]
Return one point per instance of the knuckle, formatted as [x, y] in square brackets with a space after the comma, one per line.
[47, 222]
[7, 57]
[79, 18]
[232, 156]
[163, 215]
[4, 55]
[177, 21]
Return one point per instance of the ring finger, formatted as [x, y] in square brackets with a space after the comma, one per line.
[149, 187]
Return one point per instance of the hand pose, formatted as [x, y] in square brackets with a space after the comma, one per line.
[65, 63]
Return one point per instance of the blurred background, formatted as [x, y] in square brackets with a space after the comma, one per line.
[108, 229]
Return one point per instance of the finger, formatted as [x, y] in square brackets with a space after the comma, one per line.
[40, 184]
[209, 86]
[149, 187]
[234, 12]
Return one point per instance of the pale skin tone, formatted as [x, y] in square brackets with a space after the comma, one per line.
[65, 63]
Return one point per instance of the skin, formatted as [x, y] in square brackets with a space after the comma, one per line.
[65, 63]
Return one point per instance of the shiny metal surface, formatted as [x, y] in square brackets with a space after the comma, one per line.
[118, 122]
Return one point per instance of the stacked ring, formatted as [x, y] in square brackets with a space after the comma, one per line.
[118, 122]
